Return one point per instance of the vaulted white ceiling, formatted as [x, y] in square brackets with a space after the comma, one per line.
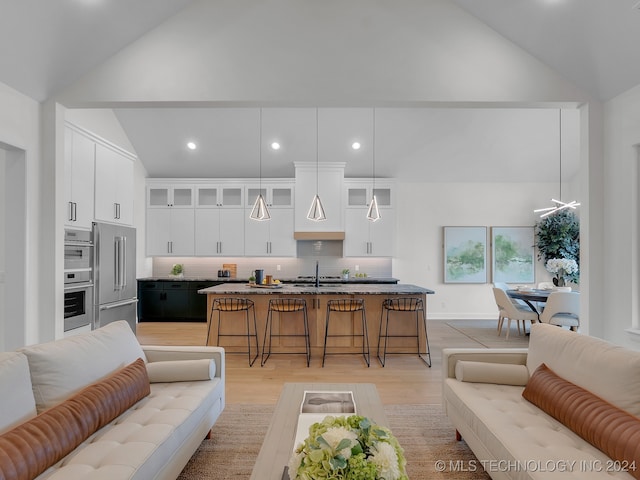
[49, 46]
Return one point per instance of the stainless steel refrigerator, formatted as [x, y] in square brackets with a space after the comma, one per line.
[114, 273]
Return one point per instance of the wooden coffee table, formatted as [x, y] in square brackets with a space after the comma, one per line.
[277, 446]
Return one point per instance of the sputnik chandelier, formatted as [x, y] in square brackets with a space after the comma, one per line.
[558, 204]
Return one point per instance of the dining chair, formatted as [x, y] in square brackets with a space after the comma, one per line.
[562, 309]
[543, 286]
[506, 287]
[511, 311]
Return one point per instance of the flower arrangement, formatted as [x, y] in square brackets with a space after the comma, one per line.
[348, 448]
[177, 269]
[562, 267]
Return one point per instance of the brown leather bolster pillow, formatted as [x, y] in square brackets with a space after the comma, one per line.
[30, 448]
[605, 426]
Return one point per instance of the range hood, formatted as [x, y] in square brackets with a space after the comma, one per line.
[318, 235]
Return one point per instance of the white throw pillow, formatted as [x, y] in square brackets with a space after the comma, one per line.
[498, 373]
[16, 402]
[609, 371]
[181, 370]
[63, 367]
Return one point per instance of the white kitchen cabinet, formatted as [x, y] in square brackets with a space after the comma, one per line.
[219, 195]
[364, 238]
[79, 168]
[272, 238]
[275, 195]
[113, 186]
[329, 183]
[170, 232]
[176, 196]
[219, 232]
[359, 195]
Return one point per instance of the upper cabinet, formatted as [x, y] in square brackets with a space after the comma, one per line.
[327, 180]
[163, 196]
[79, 167]
[114, 186]
[359, 193]
[170, 232]
[99, 183]
[277, 195]
[364, 238]
[219, 195]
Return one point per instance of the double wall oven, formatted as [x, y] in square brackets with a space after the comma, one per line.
[78, 280]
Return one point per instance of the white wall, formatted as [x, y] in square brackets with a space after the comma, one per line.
[621, 282]
[2, 246]
[321, 53]
[20, 129]
[422, 209]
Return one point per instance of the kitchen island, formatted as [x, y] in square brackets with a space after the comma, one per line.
[316, 299]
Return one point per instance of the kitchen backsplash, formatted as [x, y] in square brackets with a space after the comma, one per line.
[207, 267]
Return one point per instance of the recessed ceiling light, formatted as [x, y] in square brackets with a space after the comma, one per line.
[191, 145]
[275, 146]
[356, 145]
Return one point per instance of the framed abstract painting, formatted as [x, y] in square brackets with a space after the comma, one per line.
[513, 255]
[465, 254]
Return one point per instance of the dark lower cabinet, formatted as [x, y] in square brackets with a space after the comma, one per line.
[171, 301]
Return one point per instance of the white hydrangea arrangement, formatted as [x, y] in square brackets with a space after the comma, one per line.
[348, 448]
[561, 267]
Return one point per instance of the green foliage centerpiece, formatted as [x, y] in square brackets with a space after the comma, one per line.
[558, 236]
[348, 448]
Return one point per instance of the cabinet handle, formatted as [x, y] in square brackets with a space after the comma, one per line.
[75, 212]
[72, 211]
[220, 247]
[118, 210]
[169, 247]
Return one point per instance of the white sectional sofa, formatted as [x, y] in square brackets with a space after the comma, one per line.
[514, 438]
[100, 406]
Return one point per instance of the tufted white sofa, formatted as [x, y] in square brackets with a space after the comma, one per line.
[513, 438]
[152, 439]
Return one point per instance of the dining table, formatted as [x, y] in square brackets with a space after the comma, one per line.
[531, 297]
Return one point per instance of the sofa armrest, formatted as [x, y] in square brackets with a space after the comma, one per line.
[161, 353]
[516, 356]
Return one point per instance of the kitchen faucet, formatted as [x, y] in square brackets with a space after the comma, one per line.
[317, 276]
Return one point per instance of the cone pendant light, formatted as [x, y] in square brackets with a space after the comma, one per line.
[316, 211]
[373, 213]
[260, 211]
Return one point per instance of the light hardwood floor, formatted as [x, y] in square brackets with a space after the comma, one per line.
[404, 380]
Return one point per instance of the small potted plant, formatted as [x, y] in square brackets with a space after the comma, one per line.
[177, 270]
[252, 280]
[345, 274]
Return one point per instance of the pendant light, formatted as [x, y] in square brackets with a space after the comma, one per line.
[559, 204]
[260, 211]
[316, 211]
[373, 214]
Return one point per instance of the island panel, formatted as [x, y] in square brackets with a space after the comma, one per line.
[403, 323]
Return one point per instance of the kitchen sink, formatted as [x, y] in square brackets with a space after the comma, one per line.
[313, 285]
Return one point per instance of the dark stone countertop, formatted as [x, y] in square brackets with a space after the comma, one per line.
[306, 280]
[327, 289]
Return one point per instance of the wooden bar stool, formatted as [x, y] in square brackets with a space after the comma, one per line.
[403, 304]
[350, 305]
[221, 305]
[286, 306]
